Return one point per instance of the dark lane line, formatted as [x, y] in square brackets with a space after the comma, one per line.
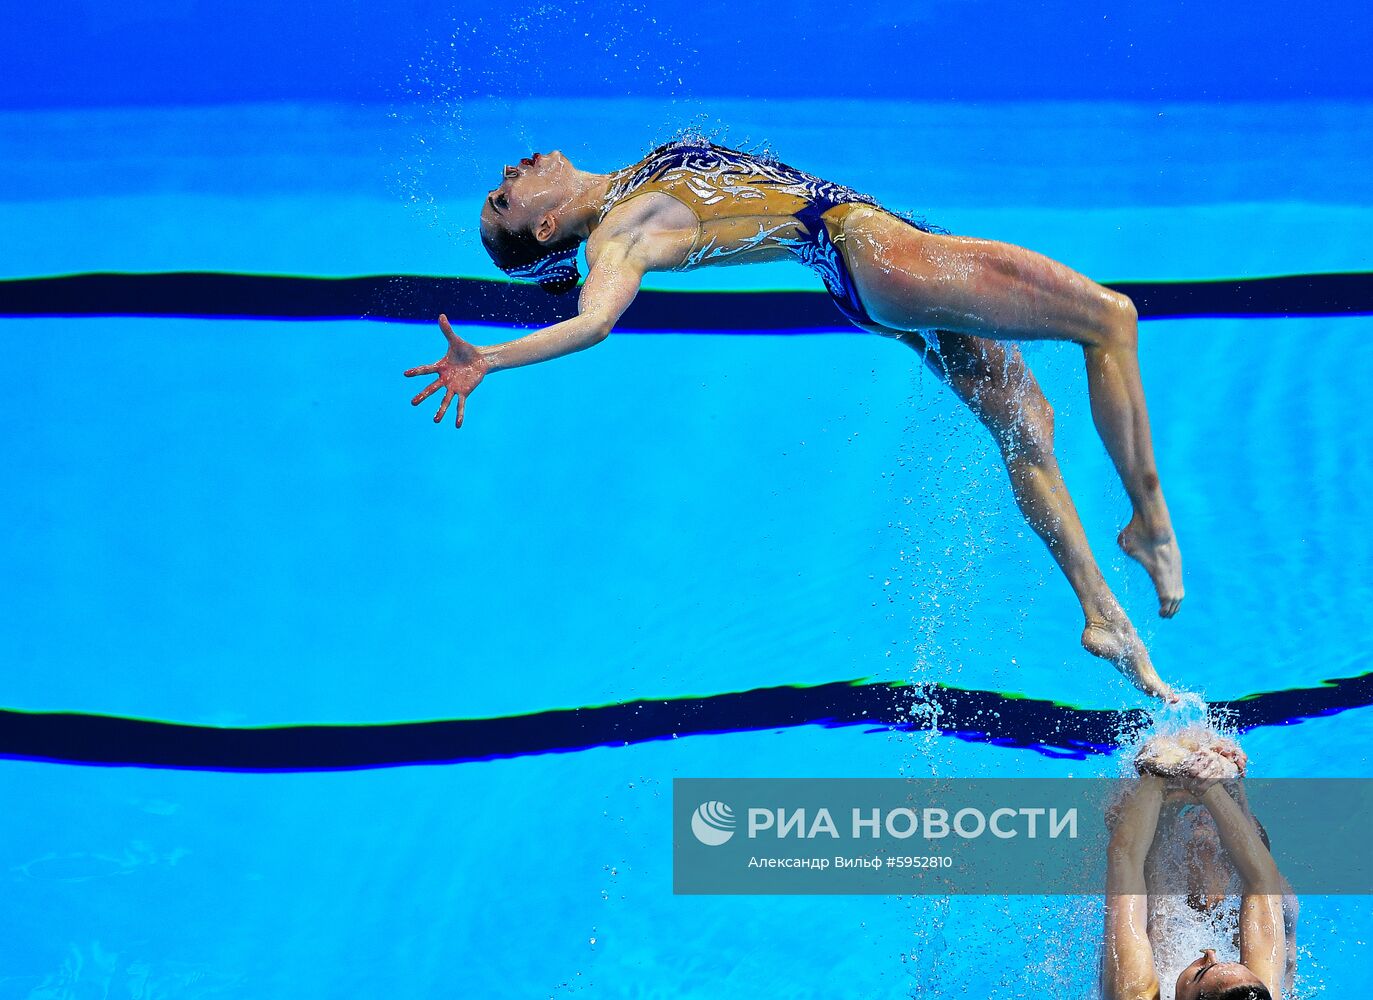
[976, 716]
[502, 303]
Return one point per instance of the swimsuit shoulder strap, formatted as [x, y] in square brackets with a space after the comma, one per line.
[655, 172]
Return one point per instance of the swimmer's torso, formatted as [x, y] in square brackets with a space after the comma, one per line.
[746, 209]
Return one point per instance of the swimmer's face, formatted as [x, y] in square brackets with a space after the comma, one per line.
[529, 192]
[1212, 976]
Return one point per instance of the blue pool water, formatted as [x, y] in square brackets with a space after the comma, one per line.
[225, 522]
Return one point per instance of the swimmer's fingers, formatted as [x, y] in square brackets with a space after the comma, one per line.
[449, 335]
[427, 391]
[1232, 752]
[1201, 770]
[421, 370]
[1213, 772]
[1225, 747]
[462, 405]
[443, 407]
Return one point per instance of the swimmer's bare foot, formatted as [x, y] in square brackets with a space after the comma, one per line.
[1118, 642]
[1160, 556]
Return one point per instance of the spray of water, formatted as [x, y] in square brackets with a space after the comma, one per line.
[458, 118]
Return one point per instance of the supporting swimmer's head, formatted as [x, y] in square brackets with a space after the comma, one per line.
[1208, 867]
[522, 226]
[1207, 979]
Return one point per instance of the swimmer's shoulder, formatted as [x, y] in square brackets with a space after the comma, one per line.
[653, 228]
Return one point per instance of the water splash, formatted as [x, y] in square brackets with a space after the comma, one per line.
[448, 111]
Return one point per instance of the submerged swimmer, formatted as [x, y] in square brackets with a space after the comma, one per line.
[691, 204]
[1190, 864]
[1267, 913]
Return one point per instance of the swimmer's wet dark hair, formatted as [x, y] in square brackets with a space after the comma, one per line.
[520, 255]
[1243, 992]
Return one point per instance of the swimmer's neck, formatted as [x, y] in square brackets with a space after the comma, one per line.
[580, 211]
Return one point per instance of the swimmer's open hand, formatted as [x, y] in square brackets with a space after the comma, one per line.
[459, 372]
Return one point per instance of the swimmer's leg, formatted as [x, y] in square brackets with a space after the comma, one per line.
[911, 280]
[995, 383]
[1116, 392]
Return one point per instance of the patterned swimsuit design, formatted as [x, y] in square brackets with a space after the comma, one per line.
[747, 206]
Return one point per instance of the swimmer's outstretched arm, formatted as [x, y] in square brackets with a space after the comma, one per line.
[1128, 960]
[611, 285]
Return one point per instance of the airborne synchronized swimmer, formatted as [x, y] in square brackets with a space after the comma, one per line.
[954, 299]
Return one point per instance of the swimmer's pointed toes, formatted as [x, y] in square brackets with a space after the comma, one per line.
[1161, 558]
[1155, 687]
[1158, 688]
[1119, 644]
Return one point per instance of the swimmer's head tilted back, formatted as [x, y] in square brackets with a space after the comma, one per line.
[1207, 979]
[522, 226]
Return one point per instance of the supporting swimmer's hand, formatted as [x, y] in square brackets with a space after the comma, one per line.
[1165, 754]
[459, 372]
[1201, 770]
[1231, 751]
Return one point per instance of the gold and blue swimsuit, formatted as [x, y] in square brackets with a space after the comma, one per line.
[751, 209]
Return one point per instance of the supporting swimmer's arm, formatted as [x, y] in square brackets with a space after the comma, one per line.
[1291, 906]
[1128, 962]
[1291, 910]
[611, 285]
[1263, 944]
